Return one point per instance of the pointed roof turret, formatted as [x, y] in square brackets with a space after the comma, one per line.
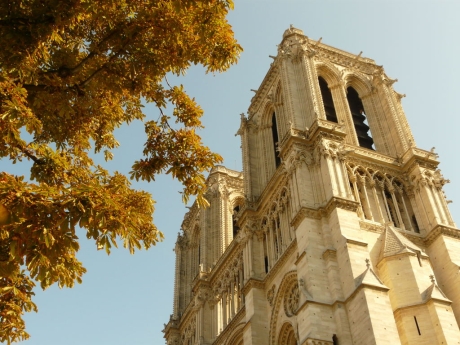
[368, 277]
[395, 243]
[434, 292]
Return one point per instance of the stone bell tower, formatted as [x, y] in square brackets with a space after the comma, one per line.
[336, 232]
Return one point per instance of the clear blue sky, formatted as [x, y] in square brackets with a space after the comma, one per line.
[126, 299]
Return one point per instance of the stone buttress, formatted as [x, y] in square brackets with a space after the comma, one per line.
[336, 232]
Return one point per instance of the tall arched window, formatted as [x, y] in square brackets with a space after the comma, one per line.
[275, 140]
[327, 100]
[359, 119]
[236, 228]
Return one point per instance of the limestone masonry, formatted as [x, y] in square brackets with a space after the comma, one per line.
[336, 232]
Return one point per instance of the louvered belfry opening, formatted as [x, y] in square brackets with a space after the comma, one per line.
[359, 118]
[275, 140]
[327, 100]
[236, 228]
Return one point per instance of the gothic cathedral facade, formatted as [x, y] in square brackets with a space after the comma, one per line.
[336, 232]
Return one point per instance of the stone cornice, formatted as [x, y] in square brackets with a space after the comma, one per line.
[200, 281]
[323, 211]
[417, 157]
[300, 257]
[346, 59]
[324, 127]
[396, 257]
[362, 155]
[293, 142]
[310, 301]
[421, 304]
[314, 341]
[245, 215]
[380, 229]
[413, 237]
[303, 213]
[335, 55]
[253, 283]
[224, 170]
[356, 242]
[329, 254]
[362, 286]
[371, 226]
[441, 230]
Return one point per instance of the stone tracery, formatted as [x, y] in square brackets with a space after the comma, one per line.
[315, 214]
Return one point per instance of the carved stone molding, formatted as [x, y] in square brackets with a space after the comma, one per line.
[344, 204]
[441, 230]
[303, 288]
[253, 284]
[303, 213]
[324, 211]
[356, 242]
[311, 341]
[330, 254]
[271, 295]
[365, 225]
[291, 299]
[286, 285]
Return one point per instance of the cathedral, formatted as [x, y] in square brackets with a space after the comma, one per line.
[337, 232]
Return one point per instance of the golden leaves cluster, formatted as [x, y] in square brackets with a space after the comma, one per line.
[71, 72]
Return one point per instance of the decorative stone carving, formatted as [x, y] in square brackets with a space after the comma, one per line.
[303, 287]
[271, 295]
[291, 299]
[340, 233]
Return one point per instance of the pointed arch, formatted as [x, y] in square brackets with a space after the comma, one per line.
[328, 102]
[275, 139]
[270, 135]
[358, 81]
[288, 280]
[328, 76]
[287, 335]
[236, 337]
[328, 72]
[283, 117]
[358, 113]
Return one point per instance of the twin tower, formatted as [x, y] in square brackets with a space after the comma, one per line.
[337, 232]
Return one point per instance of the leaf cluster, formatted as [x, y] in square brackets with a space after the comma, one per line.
[71, 72]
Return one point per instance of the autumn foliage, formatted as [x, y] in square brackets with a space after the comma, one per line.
[71, 72]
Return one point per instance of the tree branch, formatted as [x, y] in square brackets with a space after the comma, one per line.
[30, 155]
